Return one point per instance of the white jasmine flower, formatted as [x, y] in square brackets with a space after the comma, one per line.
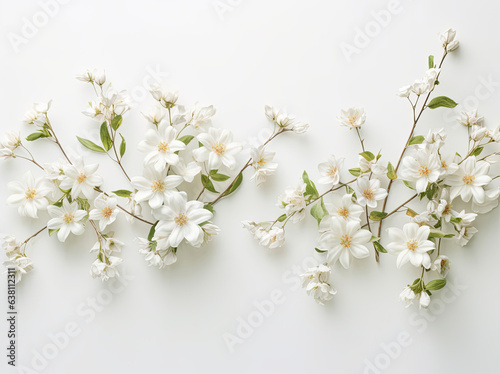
[32, 117]
[422, 219]
[81, 179]
[330, 171]
[343, 239]
[272, 238]
[478, 133]
[218, 148]
[342, 207]
[29, 194]
[107, 245]
[92, 76]
[166, 98]
[490, 201]
[407, 296]
[442, 207]
[272, 113]
[133, 207]
[404, 91]
[424, 300]
[180, 219]
[431, 76]
[188, 172]
[315, 281]
[293, 201]
[256, 229]
[300, 128]
[448, 164]
[420, 87]
[442, 265]
[448, 39]
[494, 134]
[114, 102]
[261, 162]
[11, 140]
[465, 234]
[161, 145]
[436, 137]
[155, 256]
[470, 118]
[42, 107]
[105, 270]
[368, 192]
[21, 264]
[200, 117]
[155, 115]
[105, 210]
[6, 153]
[155, 187]
[11, 245]
[209, 231]
[411, 244]
[422, 168]
[66, 219]
[352, 117]
[374, 166]
[55, 170]
[469, 180]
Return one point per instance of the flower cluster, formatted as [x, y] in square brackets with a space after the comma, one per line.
[453, 187]
[189, 165]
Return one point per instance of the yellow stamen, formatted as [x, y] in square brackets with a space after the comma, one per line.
[423, 171]
[68, 218]
[163, 147]
[332, 171]
[368, 194]
[30, 194]
[181, 219]
[158, 186]
[412, 245]
[81, 178]
[468, 179]
[107, 212]
[346, 240]
[343, 212]
[219, 148]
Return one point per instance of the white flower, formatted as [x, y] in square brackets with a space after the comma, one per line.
[494, 134]
[352, 117]
[218, 148]
[315, 281]
[374, 166]
[368, 192]
[407, 295]
[478, 133]
[188, 172]
[424, 300]
[293, 201]
[81, 179]
[209, 231]
[431, 76]
[200, 117]
[155, 187]
[261, 162]
[105, 270]
[155, 256]
[420, 87]
[166, 98]
[155, 115]
[470, 118]
[300, 128]
[436, 137]
[342, 207]
[448, 39]
[442, 207]
[161, 145]
[272, 113]
[330, 171]
[107, 245]
[273, 238]
[21, 264]
[404, 91]
[109, 104]
[32, 117]
[66, 219]
[92, 76]
[11, 245]
[6, 153]
[256, 229]
[29, 194]
[411, 244]
[464, 227]
[421, 219]
[448, 164]
[55, 170]
[180, 219]
[105, 210]
[11, 140]
[442, 265]
[42, 107]
[343, 239]
[422, 168]
[490, 201]
[465, 234]
[469, 180]
[133, 207]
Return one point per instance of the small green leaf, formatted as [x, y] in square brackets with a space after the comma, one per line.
[477, 151]
[431, 61]
[152, 231]
[116, 122]
[456, 220]
[374, 239]
[123, 193]
[416, 286]
[52, 231]
[377, 216]
[209, 207]
[207, 183]
[282, 217]
[320, 250]
[436, 234]
[368, 156]
[442, 101]
[90, 145]
[35, 136]
[186, 139]
[219, 177]
[356, 172]
[435, 284]
[105, 137]
[448, 236]
[310, 187]
[431, 191]
[123, 146]
[391, 174]
[83, 203]
[235, 185]
[379, 247]
[318, 211]
[411, 212]
[416, 140]
[407, 184]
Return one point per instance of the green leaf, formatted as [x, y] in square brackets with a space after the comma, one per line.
[83, 203]
[477, 151]
[411, 212]
[90, 145]
[282, 217]
[310, 187]
[356, 172]
[186, 139]
[123, 146]
[105, 137]
[36, 135]
[442, 101]
[318, 211]
[407, 184]
[436, 234]
[416, 286]
[52, 231]
[235, 185]
[209, 207]
[377, 216]
[368, 156]
[431, 61]
[374, 239]
[320, 250]
[218, 177]
[435, 284]
[207, 183]
[123, 193]
[116, 122]
[391, 174]
[379, 247]
[416, 140]
[152, 231]
[456, 220]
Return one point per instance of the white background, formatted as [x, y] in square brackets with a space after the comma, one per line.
[285, 53]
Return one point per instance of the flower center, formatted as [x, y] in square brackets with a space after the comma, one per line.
[332, 171]
[181, 219]
[412, 245]
[444, 164]
[352, 119]
[423, 171]
[107, 212]
[81, 178]
[162, 147]
[368, 194]
[261, 162]
[346, 240]
[343, 212]
[158, 186]
[447, 209]
[30, 194]
[219, 148]
[68, 218]
[468, 179]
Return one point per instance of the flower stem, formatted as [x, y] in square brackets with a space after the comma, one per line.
[35, 234]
